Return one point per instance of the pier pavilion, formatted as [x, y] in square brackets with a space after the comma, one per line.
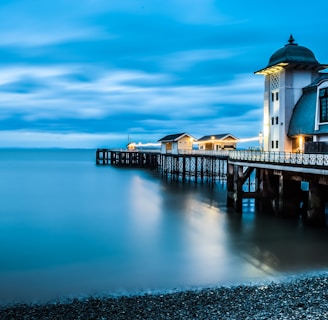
[295, 101]
[291, 176]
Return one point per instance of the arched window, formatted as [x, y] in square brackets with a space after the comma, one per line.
[323, 100]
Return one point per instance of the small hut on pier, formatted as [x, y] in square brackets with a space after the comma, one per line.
[225, 141]
[177, 143]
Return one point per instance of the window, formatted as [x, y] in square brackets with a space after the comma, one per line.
[274, 81]
[272, 120]
[277, 96]
[272, 96]
[323, 100]
[277, 144]
[277, 120]
[272, 144]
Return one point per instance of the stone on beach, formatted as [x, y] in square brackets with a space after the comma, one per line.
[300, 298]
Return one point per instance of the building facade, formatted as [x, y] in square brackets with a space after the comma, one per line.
[294, 91]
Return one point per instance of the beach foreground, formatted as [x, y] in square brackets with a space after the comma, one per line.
[301, 298]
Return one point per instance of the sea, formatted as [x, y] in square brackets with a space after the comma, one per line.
[71, 229]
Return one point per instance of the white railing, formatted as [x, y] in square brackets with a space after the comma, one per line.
[306, 159]
[206, 152]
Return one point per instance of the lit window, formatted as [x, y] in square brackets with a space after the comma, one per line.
[323, 97]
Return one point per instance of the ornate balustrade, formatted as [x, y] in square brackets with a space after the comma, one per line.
[303, 159]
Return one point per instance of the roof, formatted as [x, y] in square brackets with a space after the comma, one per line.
[217, 137]
[175, 137]
[292, 55]
[304, 113]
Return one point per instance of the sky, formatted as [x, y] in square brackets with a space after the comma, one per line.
[100, 73]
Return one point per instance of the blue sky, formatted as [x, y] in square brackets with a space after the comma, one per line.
[91, 73]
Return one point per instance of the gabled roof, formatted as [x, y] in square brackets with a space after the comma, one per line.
[217, 137]
[175, 137]
[304, 113]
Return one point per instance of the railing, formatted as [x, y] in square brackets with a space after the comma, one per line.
[304, 159]
[224, 153]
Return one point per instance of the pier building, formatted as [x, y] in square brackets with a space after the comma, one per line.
[295, 115]
[217, 142]
[177, 143]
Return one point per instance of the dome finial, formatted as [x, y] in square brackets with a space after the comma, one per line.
[291, 41]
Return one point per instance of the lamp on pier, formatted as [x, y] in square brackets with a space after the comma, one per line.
[261, 140]
[301, 143]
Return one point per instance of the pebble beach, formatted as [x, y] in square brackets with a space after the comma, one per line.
[303, 297]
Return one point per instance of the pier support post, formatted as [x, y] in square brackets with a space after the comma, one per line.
[230, 185]
[315, 214]
[239, 189]
[234, 187]
[289, 200]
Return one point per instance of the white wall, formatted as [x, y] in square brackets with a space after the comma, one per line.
[185, 144]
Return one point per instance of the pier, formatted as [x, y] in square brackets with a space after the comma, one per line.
[286, 184]
[193, 167]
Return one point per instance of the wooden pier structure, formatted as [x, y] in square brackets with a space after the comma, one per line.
[179, 167]
[287, 184]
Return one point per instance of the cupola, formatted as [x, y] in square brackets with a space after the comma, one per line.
[292, 56]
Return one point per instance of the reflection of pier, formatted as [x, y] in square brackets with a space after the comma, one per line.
[288, 184]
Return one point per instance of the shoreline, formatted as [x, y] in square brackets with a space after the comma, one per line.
[296, 297]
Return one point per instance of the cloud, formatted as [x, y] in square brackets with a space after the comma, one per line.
[35, 139]
[185, 59]
[62, 98]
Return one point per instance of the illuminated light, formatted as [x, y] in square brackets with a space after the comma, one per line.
[273, 69]
[212, 137]
[266, 130]
[249, 139]
[149, 144]
[301, 143]
[260, 137]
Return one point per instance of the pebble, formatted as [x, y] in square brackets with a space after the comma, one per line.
[298, 298]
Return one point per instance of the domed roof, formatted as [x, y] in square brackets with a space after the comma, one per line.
[292, 56]
[292, 52]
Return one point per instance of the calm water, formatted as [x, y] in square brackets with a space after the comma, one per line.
[68, 228]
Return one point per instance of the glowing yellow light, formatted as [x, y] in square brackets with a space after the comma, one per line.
[266, 130]
[301, 143]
